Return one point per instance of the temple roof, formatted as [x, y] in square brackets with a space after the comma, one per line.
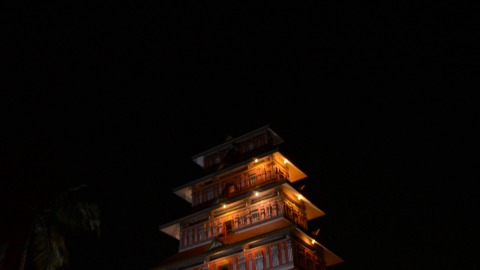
[199, 158]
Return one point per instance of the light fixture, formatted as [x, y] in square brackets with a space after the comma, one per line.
[224, 206]
[256, 160]
[299, 197]
[256, 193]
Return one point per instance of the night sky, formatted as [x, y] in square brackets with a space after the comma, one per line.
[120, 97]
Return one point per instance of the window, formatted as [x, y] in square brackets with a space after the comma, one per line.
[219, 227]
[274, 254]
[253, 178]
[236, 221]
[247, 217]
[269, 210]
[275, 208]
[210, 194]
[242, 219]
[202, 232]
[242, 184]
[254, 215]
[289, 249]
[259, 261]
[184, 238]
[228, 225]
[241, 262]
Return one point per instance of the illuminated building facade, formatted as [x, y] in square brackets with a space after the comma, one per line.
[246, 214]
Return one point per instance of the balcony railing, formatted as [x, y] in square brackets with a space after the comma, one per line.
[283, 254]
[270, 256]
[242, 219]
[238, 183]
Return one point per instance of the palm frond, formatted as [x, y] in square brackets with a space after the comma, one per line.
[68, 211]
[79, 216]
[50, 251]
[76, 213]
[3, 252]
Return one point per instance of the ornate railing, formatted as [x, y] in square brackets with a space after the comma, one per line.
[242, 219]
[271, 256]
[238, 183]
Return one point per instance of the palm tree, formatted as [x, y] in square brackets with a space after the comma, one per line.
[52, 219]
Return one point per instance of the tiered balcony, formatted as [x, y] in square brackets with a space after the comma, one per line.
[238, 183]
[276, 255]
[283, 254]
[242, 219]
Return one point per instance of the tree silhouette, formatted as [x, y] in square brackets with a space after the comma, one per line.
[45, 244]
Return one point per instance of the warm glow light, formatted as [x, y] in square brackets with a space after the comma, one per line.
[256, 193]
[313, 241]
[285, 161]
[256, 160]
[299, 197]
[224, 206]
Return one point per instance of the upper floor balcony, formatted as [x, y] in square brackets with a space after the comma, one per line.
[275, 255]
[243, 177]
[237, 183]
[286, 249]
[247, 217]
[245, 213]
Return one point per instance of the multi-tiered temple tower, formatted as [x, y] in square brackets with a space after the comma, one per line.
[246, 214]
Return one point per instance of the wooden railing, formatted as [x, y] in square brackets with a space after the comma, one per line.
[283, 254]
[242, 219]
[238, 183]
[271, 256]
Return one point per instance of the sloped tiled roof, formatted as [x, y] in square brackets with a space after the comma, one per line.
[193, 254]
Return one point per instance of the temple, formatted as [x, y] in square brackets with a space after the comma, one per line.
[246, 213]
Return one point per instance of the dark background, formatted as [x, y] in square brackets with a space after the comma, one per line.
[369, 98]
